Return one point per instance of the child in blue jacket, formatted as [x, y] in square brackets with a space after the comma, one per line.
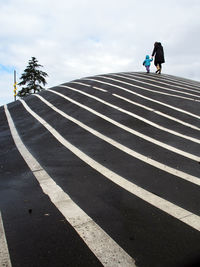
[147, 63]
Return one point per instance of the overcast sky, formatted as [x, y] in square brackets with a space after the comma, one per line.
[77, 38]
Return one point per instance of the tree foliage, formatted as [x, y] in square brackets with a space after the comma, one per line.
[32, 78]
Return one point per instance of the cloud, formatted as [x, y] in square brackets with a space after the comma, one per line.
[78, 38]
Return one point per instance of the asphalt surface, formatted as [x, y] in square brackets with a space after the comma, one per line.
[39, 235]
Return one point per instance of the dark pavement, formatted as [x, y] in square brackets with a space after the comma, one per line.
[37, 233]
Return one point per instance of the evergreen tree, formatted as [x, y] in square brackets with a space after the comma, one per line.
[32, 78]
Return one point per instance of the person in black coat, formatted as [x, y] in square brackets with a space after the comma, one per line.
[159, 56]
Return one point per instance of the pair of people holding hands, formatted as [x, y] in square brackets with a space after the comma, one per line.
[158, 52]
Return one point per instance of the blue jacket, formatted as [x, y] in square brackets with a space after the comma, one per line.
[147, 61]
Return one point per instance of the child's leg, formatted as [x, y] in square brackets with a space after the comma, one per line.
[147, 68]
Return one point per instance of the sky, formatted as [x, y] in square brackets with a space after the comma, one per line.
[73, 39]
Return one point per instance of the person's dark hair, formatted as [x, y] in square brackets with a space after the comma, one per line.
[157, 44]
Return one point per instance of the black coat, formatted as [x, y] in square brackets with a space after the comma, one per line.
[159, 54]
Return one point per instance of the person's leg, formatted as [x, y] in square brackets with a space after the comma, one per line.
[147, 68]
[157, 67]
[160, 68]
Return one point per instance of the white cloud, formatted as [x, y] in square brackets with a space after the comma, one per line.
[78, 38]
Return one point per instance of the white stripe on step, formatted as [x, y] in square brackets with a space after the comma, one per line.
[4, 253]
[92, 87]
